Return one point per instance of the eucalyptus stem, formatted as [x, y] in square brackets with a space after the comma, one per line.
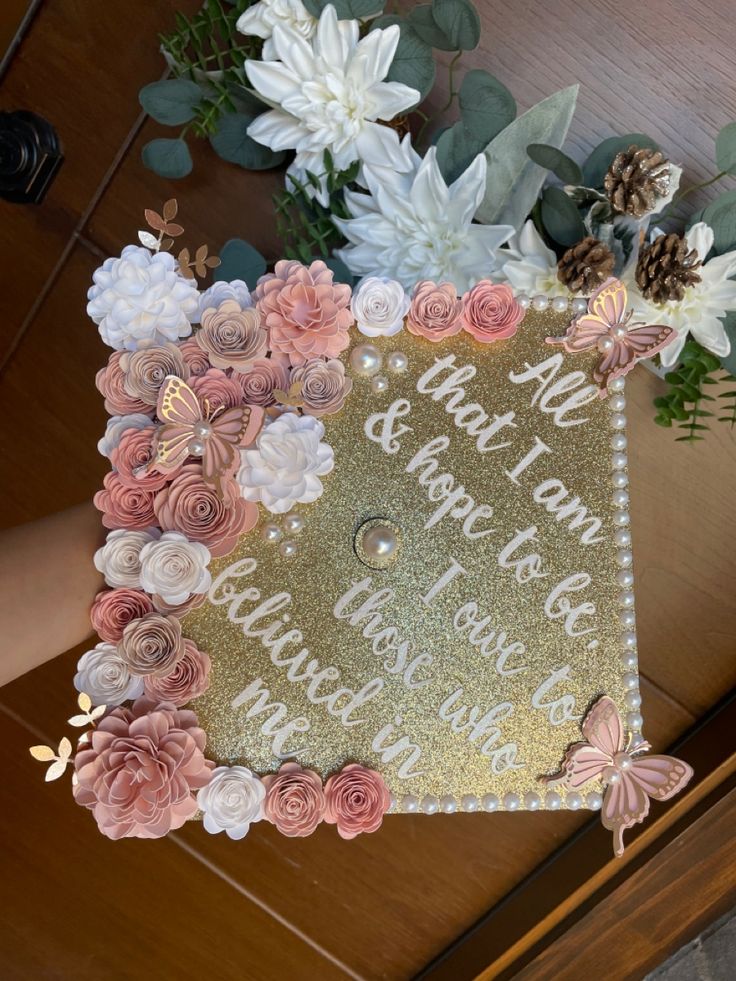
[451, 80]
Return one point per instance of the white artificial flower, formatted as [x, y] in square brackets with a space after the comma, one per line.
[221, 291]
[705, 304]
[231, 801]
[116, 426]
[284, 467]
[173, 568]
[104, 676]
[261, 18]
[328, 94]
[531, 267]
[141, 296]
[413, 226]
[379, 305]
[119, 558]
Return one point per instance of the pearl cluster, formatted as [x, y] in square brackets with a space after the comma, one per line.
[559, 304]
[366, 360]
[551, 800]
[291, 524]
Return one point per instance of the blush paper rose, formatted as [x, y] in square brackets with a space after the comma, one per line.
[356, 799]
[324, 386]
[232, 337]
[116, 426]
[105, 677]
[114, 609]
[261, 377]
[110, 382]
[295, 801]
[142, 769]
[133, 452]
[188, 679]
[195, 358]
[146, 369]
[152, 645]
[123, 506]
[435, 312]
[490, 312]
[217, 389]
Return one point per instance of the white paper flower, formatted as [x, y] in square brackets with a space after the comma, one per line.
[173, 568]
[413, 226]
[285, 466]
[330, 93]
[231, 801]
[104, 676]
[261, 18]
[379, 306]
[141, 296]
[221, 291]
[116, 426]
[119, 558]
[701, 311]
[531, 267]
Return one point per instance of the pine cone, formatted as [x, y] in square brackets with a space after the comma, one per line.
[636, 179]
[586, 265]
[666, 268]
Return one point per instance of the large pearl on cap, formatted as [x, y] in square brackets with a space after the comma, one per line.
[365, 360]
[377, 543]
[397, 362]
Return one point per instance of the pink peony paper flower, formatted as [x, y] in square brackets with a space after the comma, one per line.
[190, 506]
[261, 377]
[123, 506]
[435, 311]
[110, 382]
[114, 609]
[215, 386]
[356, 799]
[188, 679]
[324, 386]
[490, 312]
[141, 770]
[152, 645]
[295, 801]
[132, 452]
[232, 337]
[146, 369]
[307, 315]
[194, 357]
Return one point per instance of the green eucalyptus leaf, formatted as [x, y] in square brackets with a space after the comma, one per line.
[423, 22]
[561, 218]
[340, 271]
[597, 164]
[721, 216]
[726, 149]
[413, 63]
[167, 158]
[459, 22]
[729, 362]
[514, 181]
[346, 9]
[172, 101]
[486, 105]
[555, 160]
[231, 141]
[240, 260]
[456, 150]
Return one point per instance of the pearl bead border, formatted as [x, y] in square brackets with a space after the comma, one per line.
[557, 799]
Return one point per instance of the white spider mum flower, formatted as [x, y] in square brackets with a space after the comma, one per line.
[328, 94]
[261, 18]
[413, 226]
[531, 267]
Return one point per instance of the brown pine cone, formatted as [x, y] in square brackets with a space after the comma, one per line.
[636, 180]
[586, 265]
[666, 268]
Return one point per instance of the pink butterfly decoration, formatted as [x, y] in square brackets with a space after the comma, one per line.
[606, 326]
[191, 429]
[630, 779]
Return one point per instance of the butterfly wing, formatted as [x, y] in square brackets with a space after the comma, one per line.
[582, 762]
[603, 727]
[609, 302]
[638, 343]
[625, 804]
[230, 429]
[170, 448]
[660, 776]
[177, 403]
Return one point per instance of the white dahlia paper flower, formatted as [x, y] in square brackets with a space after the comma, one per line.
[328, 94]
[413, 226]
[119, 558]
[139, 296]
[104, 676]
[284, 467]
[219, 292]
[173, 568]
[231, 801]
[261, 18]
[116, 426]
[379, 305]
[531, 267]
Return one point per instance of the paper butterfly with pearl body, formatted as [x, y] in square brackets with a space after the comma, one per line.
[605, 326]
[191, 429]
[630, 779]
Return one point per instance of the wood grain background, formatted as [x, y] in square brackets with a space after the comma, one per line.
[75, 905]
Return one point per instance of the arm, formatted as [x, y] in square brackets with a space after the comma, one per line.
[47, 584]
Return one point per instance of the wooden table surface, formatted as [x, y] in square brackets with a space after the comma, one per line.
[76, 906]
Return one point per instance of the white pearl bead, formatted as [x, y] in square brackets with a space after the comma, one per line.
[524, 301]
[202, 429]
[617, 403]
[619, 461]
[620, 479]
[392, 802]
[288, 549]
[622, 537]
[628, 639]
[632, 699]
[620, 498]
[634, 721]
[605, 344]
[619, 442]
[271, 532]
[365, 359]
[552, 800]
[617, 420]
[579, 305]
[624, 557]
[559, 304]
[293, 522]
[380, 542]
[617, 385]
[574, 801]
[469, 803]
[195, 447]
[430, 804]
[511, 802]
[379, 384]
[397, 362]
[630, 680]
[409, 804]
[540, 301]
[489, 802]
[629, 659]
[594, 800]
[621, 518]
[625, 578]
[610, 775]
[448, 804]
[627, 618]
[626, 599]
[532, 801]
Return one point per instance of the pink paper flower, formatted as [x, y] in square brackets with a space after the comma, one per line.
[215, 386]
[190, 506]
[324, 386]
[132, 452]
[114, 609]
[141, 770]
[180, 609]
[152, 645]
[295, 801]
[123, 506]
[188, 679]
[356, 799]
[307, 315]
[261, 377]
[232, 337]
[146, 369]
[435, 311]
[195, 358]
[110, 382]
[490, 312]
